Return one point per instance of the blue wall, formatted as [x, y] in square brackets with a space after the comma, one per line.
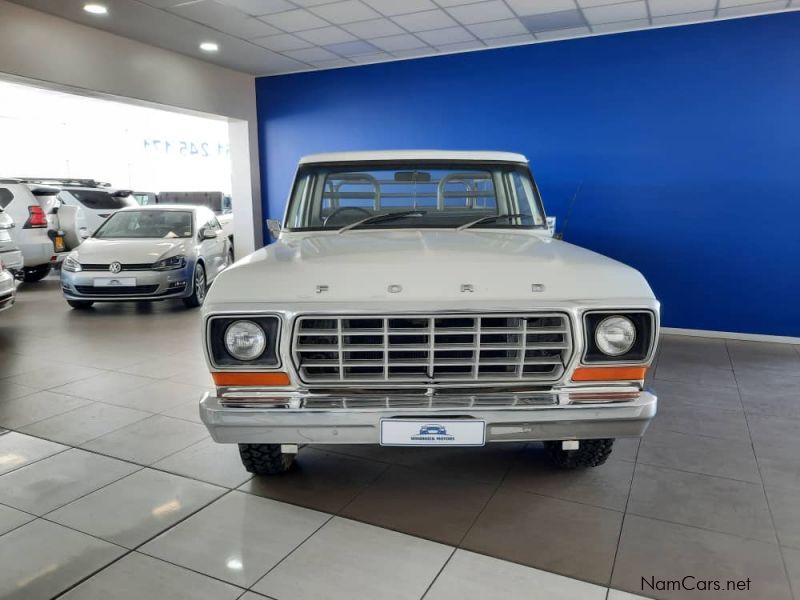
[686, 142]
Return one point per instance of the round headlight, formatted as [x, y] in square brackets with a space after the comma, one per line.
[245, 340]
[615, 335]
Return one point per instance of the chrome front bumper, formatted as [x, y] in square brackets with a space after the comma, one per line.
[293, 418]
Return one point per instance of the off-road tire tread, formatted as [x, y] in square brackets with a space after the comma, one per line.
[591, 453]
[265, 459]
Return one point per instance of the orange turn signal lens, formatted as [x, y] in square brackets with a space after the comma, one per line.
[251, 379]
[609, 373]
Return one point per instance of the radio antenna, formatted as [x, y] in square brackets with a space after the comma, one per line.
[569, 211]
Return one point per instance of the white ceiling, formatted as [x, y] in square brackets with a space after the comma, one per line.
[266, 37]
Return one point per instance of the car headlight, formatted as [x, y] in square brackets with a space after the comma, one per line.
[171, 263]
[72, 265]
[615, 335]
[245, 340]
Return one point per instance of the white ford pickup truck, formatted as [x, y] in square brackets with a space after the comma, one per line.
[417, 298]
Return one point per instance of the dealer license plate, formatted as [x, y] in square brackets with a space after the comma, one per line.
[115, 282]
[416, 432]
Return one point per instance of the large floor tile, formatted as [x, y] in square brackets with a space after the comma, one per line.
[159, 368]
[348, 560]
[9, 391]
[724, 505]
[85, 423]
[134, 509]
[188, 411]
[104, 386]
[158, 397]
[691, 371]
[667, 551]
[148, 440]
[763, 355]
[238, 538]
[785, 506]
[576, 540]
[487, 464]
[137, 577]
[674, 394]
[606, 486]
[791, 558]
[779, 466]
[470, 576]
[209, 461]
[701, 420]
[421, 503]
[770, 433]
[706, 351]
[18, 412]
[55, 481]
[53, 375]
[699, 454]
[41, 559]
[320, 480]
[17, 450]
[11, 518]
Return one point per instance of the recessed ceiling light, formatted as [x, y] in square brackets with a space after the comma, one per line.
[209, 47]
[96, 9]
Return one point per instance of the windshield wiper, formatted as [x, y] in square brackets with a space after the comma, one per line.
[390, 216]
[489, 219]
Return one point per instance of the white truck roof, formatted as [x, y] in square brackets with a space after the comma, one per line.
[390, 155]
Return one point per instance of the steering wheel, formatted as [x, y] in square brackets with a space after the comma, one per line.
[341, 209]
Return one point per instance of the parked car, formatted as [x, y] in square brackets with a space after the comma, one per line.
[39, 232]
[416, 287]
[8, 287]
[147, 253]
[10, 256]
[220, 203]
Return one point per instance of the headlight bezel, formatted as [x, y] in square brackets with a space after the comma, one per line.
[641, 351]
[221, 359]
[164, 263]
[77, 268]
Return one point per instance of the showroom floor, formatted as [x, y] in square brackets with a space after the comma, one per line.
[110, 486]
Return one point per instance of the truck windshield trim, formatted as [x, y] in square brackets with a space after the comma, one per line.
[332, 196]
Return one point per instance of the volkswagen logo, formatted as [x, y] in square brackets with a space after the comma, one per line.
[115, 267]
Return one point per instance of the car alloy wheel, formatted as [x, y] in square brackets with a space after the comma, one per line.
[200, 284]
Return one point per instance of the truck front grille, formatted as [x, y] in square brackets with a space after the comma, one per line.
[431, 348]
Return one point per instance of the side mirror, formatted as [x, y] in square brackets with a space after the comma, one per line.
[208, 234]
[551, 227]
[274, 228]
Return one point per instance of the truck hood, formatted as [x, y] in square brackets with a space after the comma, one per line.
[100, 251]
[425, 266]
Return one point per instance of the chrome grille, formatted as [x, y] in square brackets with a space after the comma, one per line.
[426, 348]
[125, 267]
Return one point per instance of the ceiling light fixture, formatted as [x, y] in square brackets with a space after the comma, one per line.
[209, 47]
[96, 9]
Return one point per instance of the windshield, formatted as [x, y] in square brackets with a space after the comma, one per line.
[434, 195]
[147, 224]
[99, 200]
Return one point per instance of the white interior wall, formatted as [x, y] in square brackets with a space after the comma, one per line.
[59, 54]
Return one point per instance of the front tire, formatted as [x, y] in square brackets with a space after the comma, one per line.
[265, 459]
[34, 274]
[80, 304]
[590, 453]
[199, 288]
